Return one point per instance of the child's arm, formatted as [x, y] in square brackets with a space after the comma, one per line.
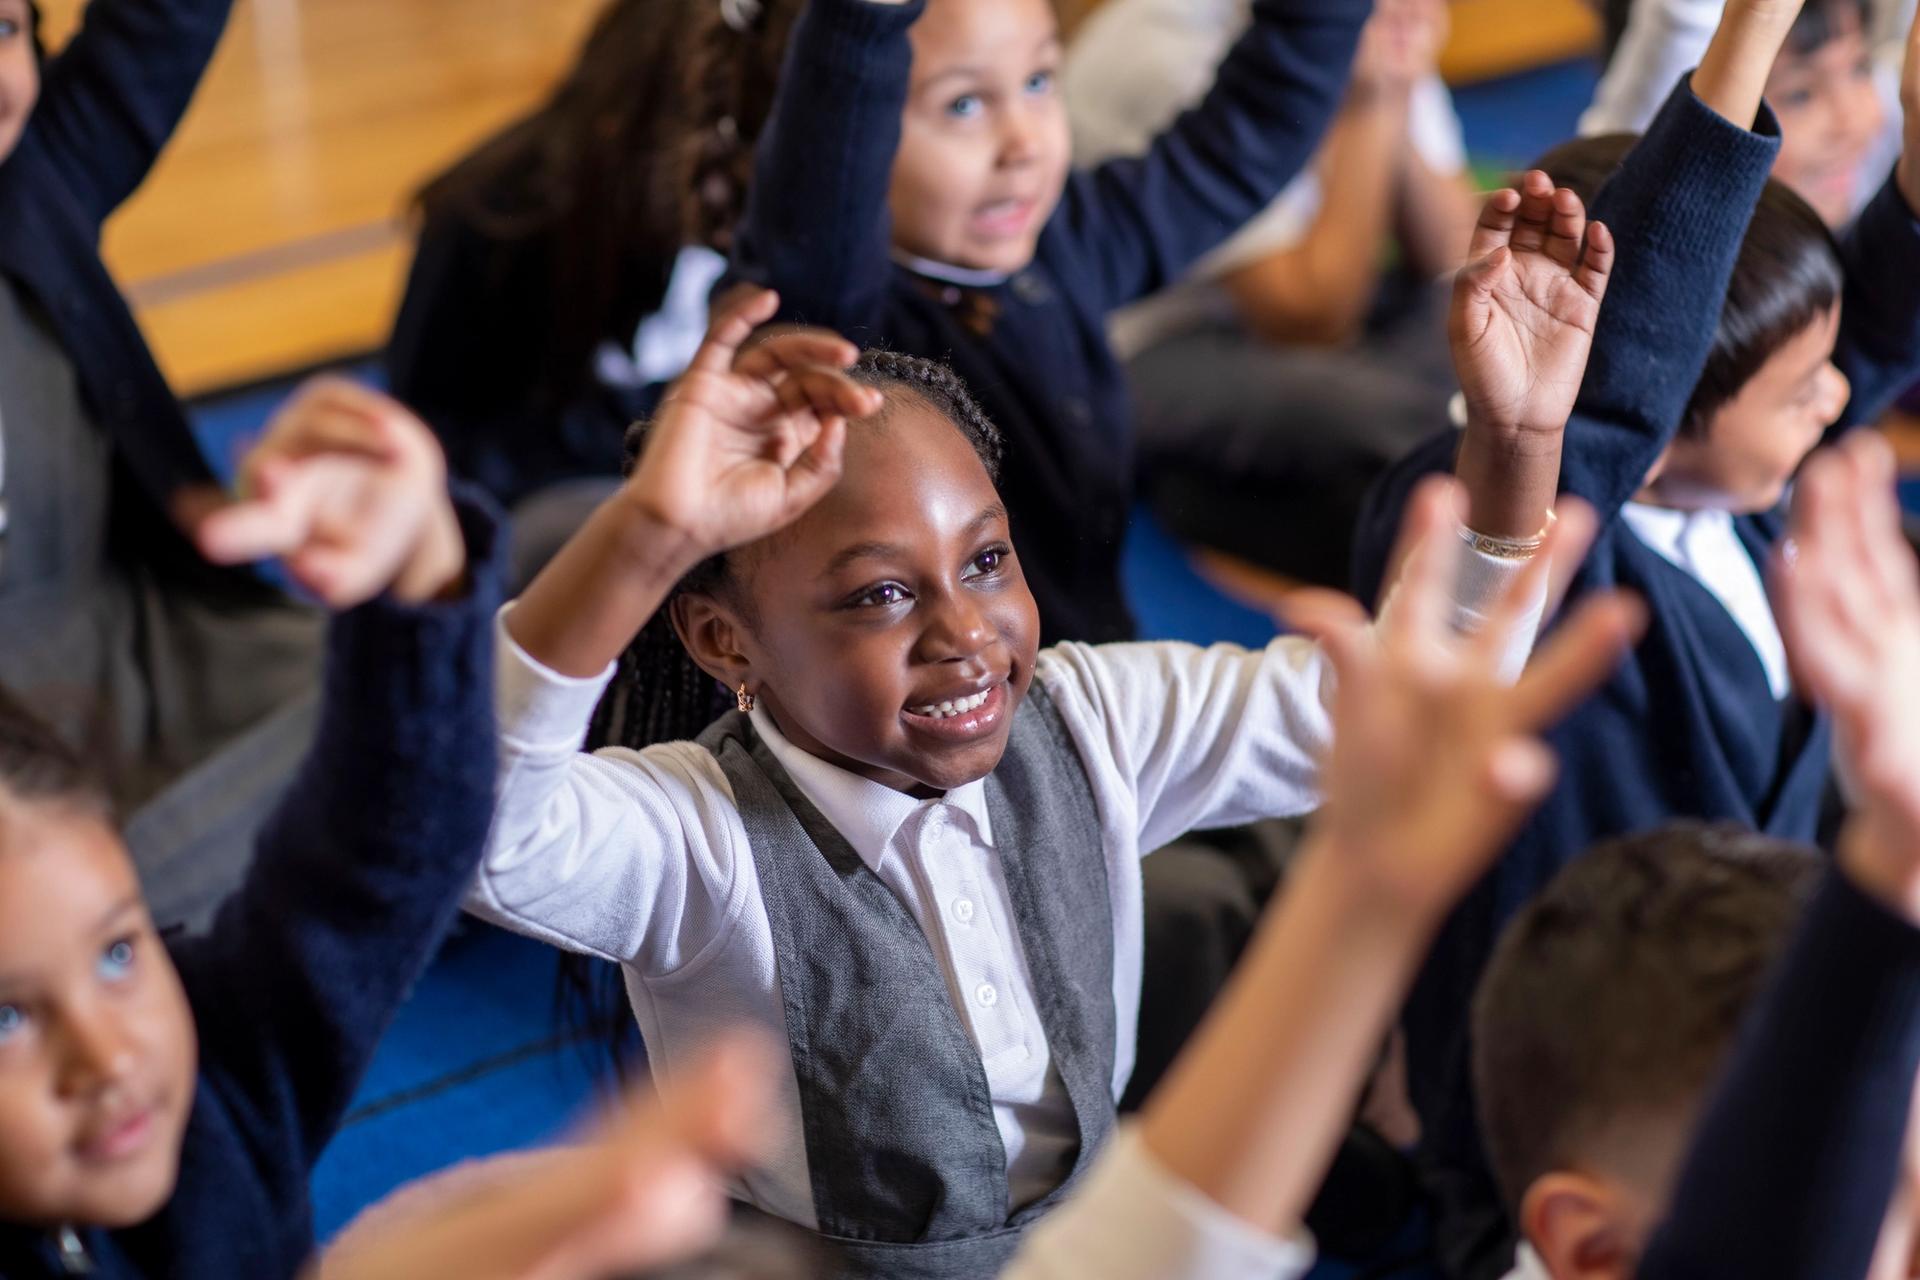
[1879, 342]
[1800, 1149]
[816, 226]
[1434, 762]
[362, 866]
[1138, 223]
[113, 96]
[1679, 209]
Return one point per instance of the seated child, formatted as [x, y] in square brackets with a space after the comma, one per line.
[1611, 1005]
[1293, 363]
[1835, 85]
[1733, 337]
[914, 849]
[563, 268]
[913, 192]
[161, 1103]
[136, 651]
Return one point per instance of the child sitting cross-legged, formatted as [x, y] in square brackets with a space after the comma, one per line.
[913, 853]
[161, 1102]
[1604, 1026]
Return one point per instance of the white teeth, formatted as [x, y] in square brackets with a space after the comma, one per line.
[958, 707]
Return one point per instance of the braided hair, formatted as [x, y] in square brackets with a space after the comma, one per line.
[734, 53]
[659, 694]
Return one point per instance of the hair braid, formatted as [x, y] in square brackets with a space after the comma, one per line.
[732, 74]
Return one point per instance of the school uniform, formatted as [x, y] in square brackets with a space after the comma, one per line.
[957, 978]
[1698, 721]
[358, 876]
[111, 626]
[1031, 346]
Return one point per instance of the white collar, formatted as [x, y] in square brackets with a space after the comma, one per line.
[946, 273]
[865, 812]
[1665, 528]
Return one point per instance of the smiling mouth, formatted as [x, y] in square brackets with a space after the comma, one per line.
[124, 1136]
[960, 719]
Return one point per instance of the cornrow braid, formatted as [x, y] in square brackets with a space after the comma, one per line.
[732, 72]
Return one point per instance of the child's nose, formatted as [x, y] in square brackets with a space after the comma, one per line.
[959, 631]
[1020, 138]
[1839, 391]
[99, 1052]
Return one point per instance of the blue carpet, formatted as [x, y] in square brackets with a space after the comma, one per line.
[1510, 121]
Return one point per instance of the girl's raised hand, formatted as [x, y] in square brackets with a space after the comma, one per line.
[349, 489]
[1524, 308]
[746, 441]
[1436, 757]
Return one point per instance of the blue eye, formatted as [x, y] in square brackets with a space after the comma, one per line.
[1040, 82]
[13, 1020]
[966, 108]
[8, 28]
[117, 960]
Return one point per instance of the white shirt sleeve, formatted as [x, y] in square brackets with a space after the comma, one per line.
[631, 856]
[1133, 1220]
[1664, 40]
[1198, 738]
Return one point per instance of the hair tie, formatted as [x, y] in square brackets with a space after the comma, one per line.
[740, 14]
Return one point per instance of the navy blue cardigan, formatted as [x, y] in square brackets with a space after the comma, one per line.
[108, 103]
[1688, 726]
[358, 875]
[1801, 1146]
[817, 229]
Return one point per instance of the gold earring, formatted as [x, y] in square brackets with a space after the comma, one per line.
[742, 698]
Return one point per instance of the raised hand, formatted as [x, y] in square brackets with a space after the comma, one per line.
[1907, 172]
[1847, 595]
[1524, 308]
[1435, 757]
[350, 490]
[1400, 44]
[748, 440]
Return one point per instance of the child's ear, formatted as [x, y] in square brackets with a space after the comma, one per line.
[1581, 1228]
[712, 634]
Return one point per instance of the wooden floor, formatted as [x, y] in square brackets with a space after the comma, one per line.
[273, 234]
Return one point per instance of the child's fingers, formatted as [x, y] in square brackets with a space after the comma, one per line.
[1882, 531]
[794, 349]
[1566, 227]
[270, 524]
[1417, 610]
[1495, 226]
[1478, 275]
[1520, 772]
[1320, 611]
[825, 390]
[818, 467]
[1577, 660]
[731, 327]
[1596, 263]
[1532, 221]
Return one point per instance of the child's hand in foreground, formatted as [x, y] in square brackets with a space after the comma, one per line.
[1524, 308]
[1435, 757]
[643, 1193]
[350, 490]
[747, 440]
[1847, 594]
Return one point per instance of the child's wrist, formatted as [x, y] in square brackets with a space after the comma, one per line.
[650, 540]
[1338, 874]
[1879, 866]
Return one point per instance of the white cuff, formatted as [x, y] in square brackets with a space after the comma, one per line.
[1483, 581]
[1133, 1220]
[536, 706]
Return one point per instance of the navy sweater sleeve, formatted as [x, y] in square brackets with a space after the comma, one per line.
[1138, 223]
[358, 873]
[1879, 344]
[1799, 1150]
[816, 226]
[1678, 208]
[114, 95]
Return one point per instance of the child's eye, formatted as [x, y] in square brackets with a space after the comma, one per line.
[966, 108]
[987, 562]
[117, 960]
[8, 28]
[13, 1020]
[1795, 99]
[1039, 83]
[887, 593]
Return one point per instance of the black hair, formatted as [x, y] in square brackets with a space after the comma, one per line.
[590, 185]
[1818, 22]
[734, 57]
[659, 694]
[1617, 992]
[1788, 274]
[37, 767]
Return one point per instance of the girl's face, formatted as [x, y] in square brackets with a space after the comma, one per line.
[889, 630]
[1830, 114]
[1755, 443]
[984, 143]
[97, 1044]
[19, 73]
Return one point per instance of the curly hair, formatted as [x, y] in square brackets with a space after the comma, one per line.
[732, 72]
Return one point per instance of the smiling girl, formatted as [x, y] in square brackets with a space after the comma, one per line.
[914, 848]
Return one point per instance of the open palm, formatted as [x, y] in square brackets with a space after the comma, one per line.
[1525, 305]
[745, 442]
